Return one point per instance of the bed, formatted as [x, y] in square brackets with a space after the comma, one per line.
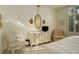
[69, 45]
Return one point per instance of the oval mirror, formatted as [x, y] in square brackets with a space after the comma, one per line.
[37, 21]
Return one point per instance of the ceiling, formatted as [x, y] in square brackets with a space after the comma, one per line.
[30, 6]
[54, 6]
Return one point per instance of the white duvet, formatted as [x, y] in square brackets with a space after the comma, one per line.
[69, 45]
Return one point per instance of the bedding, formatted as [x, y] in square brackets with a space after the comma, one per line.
[69, 45]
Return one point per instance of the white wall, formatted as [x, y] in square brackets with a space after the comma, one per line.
[62, 19]
[0, 40]
[22, 14]
[16, 18]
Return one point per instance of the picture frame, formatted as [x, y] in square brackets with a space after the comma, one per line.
[1, 25]
[43, 21]
[31, 21]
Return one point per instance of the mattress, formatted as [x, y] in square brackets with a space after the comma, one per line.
[69, 45]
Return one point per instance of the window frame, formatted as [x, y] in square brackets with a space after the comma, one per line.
[73, 12]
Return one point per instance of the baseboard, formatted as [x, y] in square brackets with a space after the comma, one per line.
[42, 43]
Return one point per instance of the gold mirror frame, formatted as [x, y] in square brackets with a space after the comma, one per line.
[37, 21]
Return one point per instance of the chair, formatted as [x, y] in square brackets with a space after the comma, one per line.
[13, 43]
[57, 35]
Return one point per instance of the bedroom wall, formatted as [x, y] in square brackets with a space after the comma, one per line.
[62, 20]
[16, 18]
[0, 40]
[24, 13]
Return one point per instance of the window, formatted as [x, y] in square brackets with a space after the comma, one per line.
[74, 19]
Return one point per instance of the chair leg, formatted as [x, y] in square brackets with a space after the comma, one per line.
[13, 51]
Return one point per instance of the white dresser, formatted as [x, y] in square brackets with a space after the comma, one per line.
[39, 37]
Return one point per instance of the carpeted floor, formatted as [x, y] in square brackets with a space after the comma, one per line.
[10, 52]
